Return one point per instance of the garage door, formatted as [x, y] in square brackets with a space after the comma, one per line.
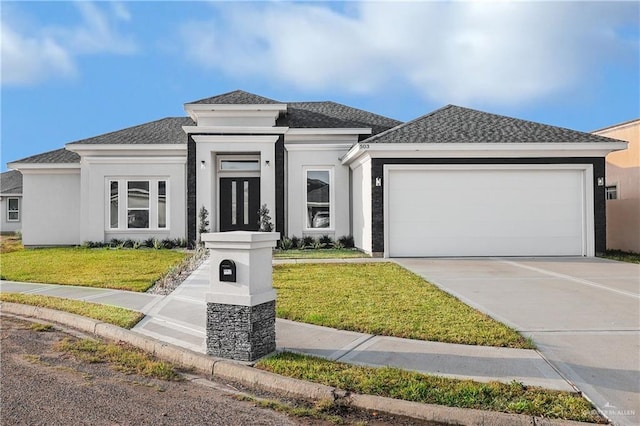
[485, 211]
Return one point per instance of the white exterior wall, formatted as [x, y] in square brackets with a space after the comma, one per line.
[209, 147]
[51, 207]
[301, 158]
[361, 190]
[96, 173]
[7, 226]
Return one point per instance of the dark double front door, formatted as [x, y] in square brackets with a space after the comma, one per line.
[239, 204]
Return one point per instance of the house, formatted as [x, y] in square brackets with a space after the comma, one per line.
[10, 202]
[455, 182]
[622, 190]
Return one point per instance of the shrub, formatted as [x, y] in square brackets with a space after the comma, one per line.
[157, 244]
[326, 241]
[148, 242]
[307, 241]
[167, 243]
[115, 243]
[136, 245]
[318, 244]
[265, 220]
[347, 241]
[285, 243]
[338, 245]
[128, 243]
[295, 241]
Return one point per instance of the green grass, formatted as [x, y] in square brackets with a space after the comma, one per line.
[383, 299]
[124, 358]
[121, 317]
[622, 256]
[134, 270]
[318, 254]
[422, 388]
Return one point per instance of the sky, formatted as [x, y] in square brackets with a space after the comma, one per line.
[72, 70]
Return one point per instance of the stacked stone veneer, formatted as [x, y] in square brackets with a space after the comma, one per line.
[243, 333]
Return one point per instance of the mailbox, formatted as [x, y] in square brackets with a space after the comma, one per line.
[228, 271]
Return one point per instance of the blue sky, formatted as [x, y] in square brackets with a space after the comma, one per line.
[72, 70]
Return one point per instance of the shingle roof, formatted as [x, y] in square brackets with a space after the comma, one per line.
[58, 156]
[236, 97]
[454, 124]
[11, 182]
[334, 115]
[165, 131]
[311, 115]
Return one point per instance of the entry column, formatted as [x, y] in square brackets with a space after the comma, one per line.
[241, 313]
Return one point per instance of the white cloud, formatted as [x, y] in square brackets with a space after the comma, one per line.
[34, 53]
[459, 52]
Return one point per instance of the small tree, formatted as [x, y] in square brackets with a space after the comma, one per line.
[203, 227]
[265, 220]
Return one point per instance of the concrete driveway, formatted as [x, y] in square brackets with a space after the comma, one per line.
[582, 313]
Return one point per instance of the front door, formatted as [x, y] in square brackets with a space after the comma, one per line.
[239, 204]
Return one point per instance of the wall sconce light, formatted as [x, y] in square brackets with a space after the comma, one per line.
[203, 165]
[378, 181]
[266, 163]
[600, 181]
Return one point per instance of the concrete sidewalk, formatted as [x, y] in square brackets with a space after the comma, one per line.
[180, 318]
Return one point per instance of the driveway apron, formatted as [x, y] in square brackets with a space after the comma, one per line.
[582, 313]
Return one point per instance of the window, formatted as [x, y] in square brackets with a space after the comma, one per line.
[611, 192]
[113, 204]
[13, 209]
[137, 204]
[240, 165]
[318, 196]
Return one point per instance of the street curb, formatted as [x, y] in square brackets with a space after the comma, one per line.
[247, 375]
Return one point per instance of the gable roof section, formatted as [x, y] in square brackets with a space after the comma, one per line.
[52, 157]
[11, 182]
[454, 124]
[237, 97]
[164, 131]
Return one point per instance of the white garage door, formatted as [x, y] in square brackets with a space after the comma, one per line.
[485, 211]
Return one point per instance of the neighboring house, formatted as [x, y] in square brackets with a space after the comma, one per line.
[623, 188]
[10, 202]
[456, 182]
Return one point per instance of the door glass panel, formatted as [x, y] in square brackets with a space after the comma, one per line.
[113, 201]
[318, 204]
[246, 202]
[245, 165]
[234, 203]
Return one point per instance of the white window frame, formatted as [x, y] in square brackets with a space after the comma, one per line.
[332, 225]
[9, 210]
[123, 204]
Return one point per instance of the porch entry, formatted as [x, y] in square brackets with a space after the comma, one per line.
[239, 203]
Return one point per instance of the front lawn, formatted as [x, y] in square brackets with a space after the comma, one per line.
[383, 299]
[427, 389]
[134, 270]
[125, 318]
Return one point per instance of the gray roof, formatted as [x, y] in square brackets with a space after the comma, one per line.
[165, 131]
[236, 97]
[311, 115]
[58, 156]
[454, 124]
[11, 182]
[334, 115]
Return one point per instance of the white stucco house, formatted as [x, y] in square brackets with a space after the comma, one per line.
[455, 182]
[10, 202]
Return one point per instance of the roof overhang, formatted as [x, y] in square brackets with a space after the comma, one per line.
[248, 130]
[146, 150]
[197, 111]
[43, 167]
[480, 150]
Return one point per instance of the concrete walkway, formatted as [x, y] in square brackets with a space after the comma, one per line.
[180, 317]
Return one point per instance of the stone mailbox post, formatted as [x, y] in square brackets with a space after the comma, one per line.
[241, 302]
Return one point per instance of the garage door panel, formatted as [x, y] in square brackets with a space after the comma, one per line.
[485, 212]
